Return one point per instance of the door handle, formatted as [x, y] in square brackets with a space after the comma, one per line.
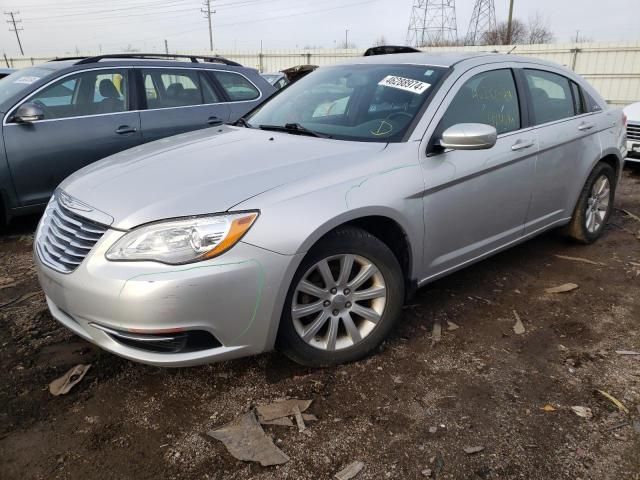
[585, 126]
[122, 129]
[522, 144]
[213, 120]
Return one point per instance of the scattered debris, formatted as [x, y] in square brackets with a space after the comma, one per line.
[436, 334]
[426, 472]
[582, 260]
[636, 426]
[245, 439]
[281, 408]
[614, 400]
[64, 384]
[583, 412]
[618, 425]
[472, 450]
[299, 421]
[283, 421]
[548, 408]
[629, 214]
[20, 299]
[433, 429]
[627, 352]
[350, 471]
[564, 288]
[518, 327]
[452, 326]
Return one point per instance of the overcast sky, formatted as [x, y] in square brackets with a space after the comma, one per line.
[59, 27]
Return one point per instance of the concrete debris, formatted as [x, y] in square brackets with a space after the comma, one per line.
[583, 412]
[436, 334]
[472, 450]
[518, 327]
[281, 408]
[245, 439]
[581, 260]
[283, 421]
[299, 421]
[350, 471]
[627, 352]
[452, 326]
[426, 472]
[64, 384]
[564, 288]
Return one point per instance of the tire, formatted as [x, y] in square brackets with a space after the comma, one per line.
[580, 228]
[360, 324]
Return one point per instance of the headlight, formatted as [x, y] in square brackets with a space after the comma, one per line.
[183, 241]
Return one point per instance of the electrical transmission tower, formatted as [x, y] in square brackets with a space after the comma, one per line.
[15, 28]
[433, 23]
[482, 21]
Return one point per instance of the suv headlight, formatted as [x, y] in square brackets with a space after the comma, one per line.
[183, 240]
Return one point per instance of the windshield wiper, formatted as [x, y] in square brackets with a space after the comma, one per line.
[241, 122]
[294, 128]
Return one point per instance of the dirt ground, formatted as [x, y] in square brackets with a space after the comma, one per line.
[407, 413]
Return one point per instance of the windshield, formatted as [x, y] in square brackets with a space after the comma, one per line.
[20, 80]
[374, 103]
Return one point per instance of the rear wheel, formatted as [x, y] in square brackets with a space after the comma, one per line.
[594, 206]
[343, 301]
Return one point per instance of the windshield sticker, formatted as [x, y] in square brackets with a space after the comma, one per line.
[406, 84]
[27, 80]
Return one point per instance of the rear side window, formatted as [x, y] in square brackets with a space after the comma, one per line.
[551, 96]
[578, 103]
[490, 98]
[176, 88]
[590, 103]
[237, 86]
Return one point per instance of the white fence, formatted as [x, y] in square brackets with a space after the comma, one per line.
[612, 68]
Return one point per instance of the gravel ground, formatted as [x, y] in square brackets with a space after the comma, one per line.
[408, 412]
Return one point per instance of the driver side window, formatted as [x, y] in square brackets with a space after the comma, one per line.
[86, 93]
[490, 98]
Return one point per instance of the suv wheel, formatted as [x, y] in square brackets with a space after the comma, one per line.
[343, 301]
[594, 205]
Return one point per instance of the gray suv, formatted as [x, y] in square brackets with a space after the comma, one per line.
[307, 225]
[62, 115]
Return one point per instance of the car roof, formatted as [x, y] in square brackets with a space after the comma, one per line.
[446, 59]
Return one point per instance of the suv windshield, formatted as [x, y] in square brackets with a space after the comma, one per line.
[20, 80]
[374, 103]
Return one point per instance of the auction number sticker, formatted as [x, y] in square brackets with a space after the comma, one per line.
[407, 84]
[27, 80]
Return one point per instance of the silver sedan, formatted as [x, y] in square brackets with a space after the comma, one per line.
[307, 224]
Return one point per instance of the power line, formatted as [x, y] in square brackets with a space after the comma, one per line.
[15, 27]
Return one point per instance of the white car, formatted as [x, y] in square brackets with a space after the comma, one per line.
[633, 132]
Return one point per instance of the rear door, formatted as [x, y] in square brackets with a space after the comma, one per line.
[87, 116]
[569, 144]
[178, 100]
[476, 201]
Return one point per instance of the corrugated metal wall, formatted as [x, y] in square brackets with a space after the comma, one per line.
[612, 68]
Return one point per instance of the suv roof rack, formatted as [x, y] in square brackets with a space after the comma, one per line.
[193, 58]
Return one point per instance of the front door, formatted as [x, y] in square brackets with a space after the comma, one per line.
[476, 201]
[178, 101]
[86, 118]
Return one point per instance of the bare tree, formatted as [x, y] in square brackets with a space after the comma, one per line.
[538, 30]
[381, 40]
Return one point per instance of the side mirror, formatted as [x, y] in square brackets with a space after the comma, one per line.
[28, 112]
[469, 136]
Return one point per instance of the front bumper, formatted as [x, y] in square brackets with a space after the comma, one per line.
[633, 151]
[237, 298]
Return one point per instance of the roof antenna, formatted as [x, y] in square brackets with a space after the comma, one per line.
[514, 47]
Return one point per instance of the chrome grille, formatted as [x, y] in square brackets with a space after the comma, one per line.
[64, 238]
[633, 131]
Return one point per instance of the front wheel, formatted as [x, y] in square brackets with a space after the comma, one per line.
[343, 301]
[594, 206]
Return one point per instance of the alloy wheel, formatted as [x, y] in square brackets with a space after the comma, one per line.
[598, 204]
[338, 302]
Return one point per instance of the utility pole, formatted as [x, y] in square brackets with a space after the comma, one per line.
[207, 14]
[346, 38]
[15, 28]
[166, 47]
[509, 23]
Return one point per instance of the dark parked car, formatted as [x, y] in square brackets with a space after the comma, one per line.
[6, 71]
[64, 114]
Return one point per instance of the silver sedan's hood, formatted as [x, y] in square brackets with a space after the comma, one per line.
[206, 171]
